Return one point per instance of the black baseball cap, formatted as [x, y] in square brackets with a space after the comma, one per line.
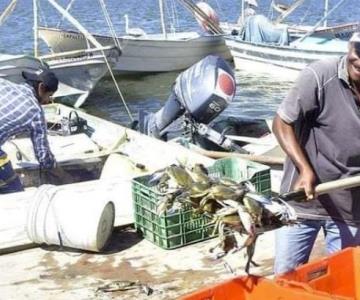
[47, 77]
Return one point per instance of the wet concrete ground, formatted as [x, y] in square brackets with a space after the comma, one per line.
[53, 273]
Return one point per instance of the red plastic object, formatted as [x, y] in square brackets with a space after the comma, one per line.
[258, 288]
[337, 275]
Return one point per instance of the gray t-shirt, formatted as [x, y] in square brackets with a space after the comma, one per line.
[326, 116]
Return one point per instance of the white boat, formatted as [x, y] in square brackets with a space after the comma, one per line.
[143, 52]
[81, 150]
[266, 58]
[150, 53]
[125, 244]
[81, 142]
[12, 65]
[341, 31]
[77, 71]
[275, 58]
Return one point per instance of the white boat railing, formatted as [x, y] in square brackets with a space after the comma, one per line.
[76, 52]
[294, 6]
[310, 32]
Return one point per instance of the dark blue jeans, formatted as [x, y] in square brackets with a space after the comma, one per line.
[9, 181]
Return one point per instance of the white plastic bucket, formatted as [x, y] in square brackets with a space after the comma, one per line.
[60, 216]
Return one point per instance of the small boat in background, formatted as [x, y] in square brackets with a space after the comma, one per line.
[148, 53]
[275, 59]
[263, 46]
[77, 71]
[141, 51]
[80, 71]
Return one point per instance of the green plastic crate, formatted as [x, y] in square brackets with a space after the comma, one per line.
[239, 169]
[182, 227]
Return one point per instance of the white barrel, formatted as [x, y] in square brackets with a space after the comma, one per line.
[81, 220]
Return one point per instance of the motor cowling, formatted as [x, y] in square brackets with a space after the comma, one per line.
[201, 92]
[206, 88]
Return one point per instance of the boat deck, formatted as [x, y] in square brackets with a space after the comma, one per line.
[50, 273]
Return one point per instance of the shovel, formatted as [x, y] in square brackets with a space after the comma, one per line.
[324, 188]
[284, 212]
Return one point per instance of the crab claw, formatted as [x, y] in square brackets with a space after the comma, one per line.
[247, 221]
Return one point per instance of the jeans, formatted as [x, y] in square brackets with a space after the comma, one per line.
[11, 181]
[293, 244]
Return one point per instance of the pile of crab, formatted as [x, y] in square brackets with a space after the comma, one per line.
[232, 207]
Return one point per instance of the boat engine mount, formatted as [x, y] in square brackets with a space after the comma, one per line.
[200, 94]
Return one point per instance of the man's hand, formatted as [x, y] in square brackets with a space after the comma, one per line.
[306, 182]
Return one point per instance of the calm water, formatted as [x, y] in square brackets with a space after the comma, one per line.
[256, 96]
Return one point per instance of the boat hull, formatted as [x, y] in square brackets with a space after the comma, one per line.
[11, 66]
[151, 53]
[81, 73]
[266, 58]
[77, 75]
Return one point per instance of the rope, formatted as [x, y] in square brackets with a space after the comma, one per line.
[75, 23]
[8, 10]
[196, 11]
[174, 16]
[41, 14]
[293, 6]
[66, 9]
[305, 15]
[109, 23]
[107, 62]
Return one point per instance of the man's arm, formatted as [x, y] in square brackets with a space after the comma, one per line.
[286, 137]
[40, 142]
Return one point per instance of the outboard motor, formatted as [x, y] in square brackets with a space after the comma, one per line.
[200, 93]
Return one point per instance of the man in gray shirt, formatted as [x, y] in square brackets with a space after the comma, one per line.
[318, 126]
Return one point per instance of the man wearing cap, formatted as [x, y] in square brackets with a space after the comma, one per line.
[21, 111]
[250, 10]
[318, 126]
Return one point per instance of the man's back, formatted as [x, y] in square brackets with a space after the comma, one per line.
[18, 108]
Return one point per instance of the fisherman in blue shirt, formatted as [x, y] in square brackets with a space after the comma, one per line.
[21, 111]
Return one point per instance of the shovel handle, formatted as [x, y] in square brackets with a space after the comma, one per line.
[344, 183]
[324, 188]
